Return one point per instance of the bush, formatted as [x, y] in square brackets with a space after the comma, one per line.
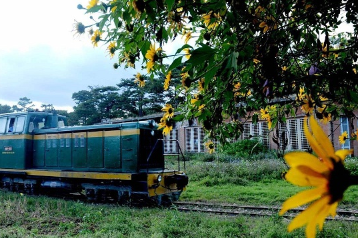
[243, 148]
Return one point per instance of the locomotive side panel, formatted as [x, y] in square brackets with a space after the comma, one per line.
[51, 150]
[64, 151]
[112, 149]
[95, 149]
[38, 151]
[79, 150]
[129, 150]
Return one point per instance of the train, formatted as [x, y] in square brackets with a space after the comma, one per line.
[119, 162]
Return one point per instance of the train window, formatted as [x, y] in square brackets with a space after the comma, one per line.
[54, 142]
[20, 124]
[10, 126]
[48, 142]
[3, 124]
[62, 141]
[68, 141]
[82, 141]
[76, 141]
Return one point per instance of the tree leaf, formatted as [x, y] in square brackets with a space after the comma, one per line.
[198, 56]
[175, 63]
[103, 21]
[170, 4]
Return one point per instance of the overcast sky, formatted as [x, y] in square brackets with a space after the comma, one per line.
[42, 59]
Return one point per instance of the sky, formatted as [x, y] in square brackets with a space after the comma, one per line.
[42, 59]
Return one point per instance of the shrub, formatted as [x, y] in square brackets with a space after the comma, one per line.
[243, 148]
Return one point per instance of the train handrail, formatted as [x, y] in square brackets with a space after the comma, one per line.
[180, 152]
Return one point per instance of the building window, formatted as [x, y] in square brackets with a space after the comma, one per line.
[292, 132]
[194, 139]
[170, 142]
[345, 127]
[257, 131]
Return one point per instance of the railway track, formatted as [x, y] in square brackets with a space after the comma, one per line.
[237, 210]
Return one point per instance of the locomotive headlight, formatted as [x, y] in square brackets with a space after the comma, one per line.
[159, 178]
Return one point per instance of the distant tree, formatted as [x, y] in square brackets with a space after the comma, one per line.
[24, 104]
[96, 104]
[5, 108]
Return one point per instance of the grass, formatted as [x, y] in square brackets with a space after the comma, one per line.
[249, 182]
[24, 216]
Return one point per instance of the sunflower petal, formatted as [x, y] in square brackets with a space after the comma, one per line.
[321, 216]
[304, 177]
[307, 215]
[294, 159]
[316, 146]
[342, 154]
[302, 198]
[333, 209]
[321, 137]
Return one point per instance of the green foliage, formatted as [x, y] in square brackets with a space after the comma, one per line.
[243, 148]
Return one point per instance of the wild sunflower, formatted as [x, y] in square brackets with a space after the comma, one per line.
[323, 115]
[211, 20]
[187, 35]
[210, 146]
[265, 114]
[152, 56]
[326, 173]
[167, 124]
[201, 84]
[96, 38]
[268, 24]
[138, 5]
[177, 19]
[355, 134]
[308, 104]
[187, 53]
[139, 79]
[167, 80]
[169, 110]
[129, 59]
[343, 137]
[92, 3]
[111, 49]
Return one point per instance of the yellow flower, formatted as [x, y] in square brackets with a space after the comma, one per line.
[111, 49]
[265, 114]
[355, 134]
[211, 20]
[176, 19]
[185, 79]
[167, 124]
[167, 80]
[355, 70]
[96, 38]
[201, 84]
[169, 110]
[210, 146]
[152, 56]
[322, 115]
[138, 6]
[92, 3]
[187, 36]
[201, 107]
[187, 53]
[268, 24]
[139, 79]
[113, 7]
[308, 104]
[256, 61]
[326, 173]
[301, 94]
[343, 137]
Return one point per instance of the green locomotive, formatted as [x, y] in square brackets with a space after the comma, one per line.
[116, 161]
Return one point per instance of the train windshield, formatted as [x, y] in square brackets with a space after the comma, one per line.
[12, 124]
[37, 122]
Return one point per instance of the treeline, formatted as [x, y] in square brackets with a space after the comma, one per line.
[98, 103]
